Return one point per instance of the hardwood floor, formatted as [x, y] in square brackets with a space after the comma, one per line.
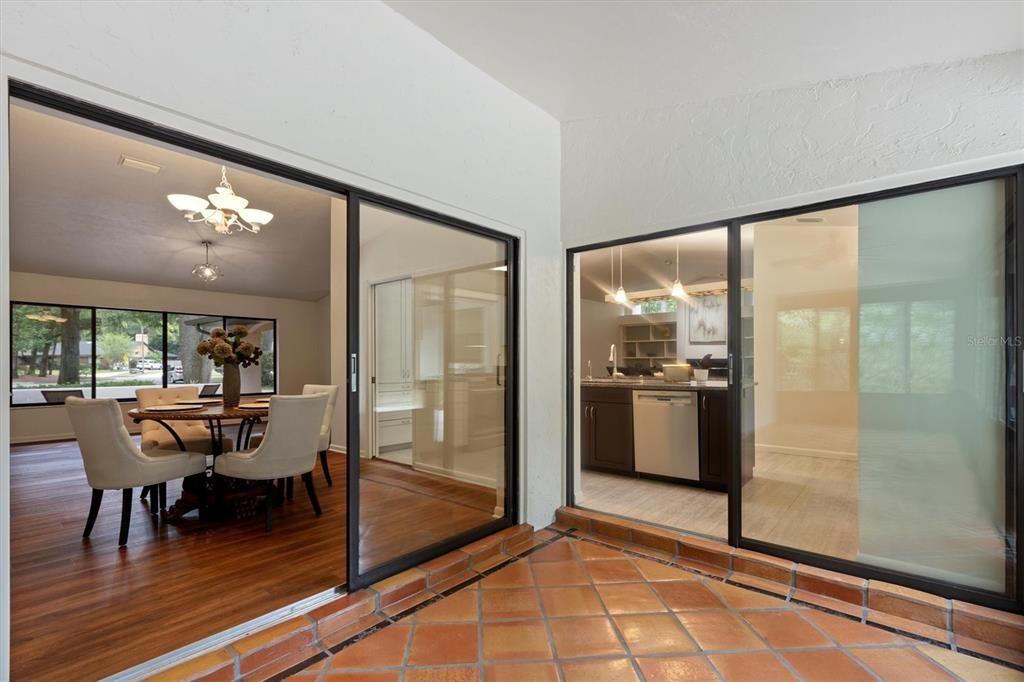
[84, 609]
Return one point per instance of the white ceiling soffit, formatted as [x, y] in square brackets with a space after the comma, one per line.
[586, 58]
[77, 212]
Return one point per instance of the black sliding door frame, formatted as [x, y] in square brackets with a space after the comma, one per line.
[1013, 599]
[570, 335]
[28, 92]
[356, 578]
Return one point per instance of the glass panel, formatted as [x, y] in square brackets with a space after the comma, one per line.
[130, 352]
[432, 384]
[258, 378]
[878, 430]
[184, 364]
[52, 353]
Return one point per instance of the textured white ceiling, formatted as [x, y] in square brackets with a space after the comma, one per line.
[75, 212]
[584, 58]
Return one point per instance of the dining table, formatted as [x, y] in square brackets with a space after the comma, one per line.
[209, 493]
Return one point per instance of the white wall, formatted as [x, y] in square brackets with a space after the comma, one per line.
[355, 92]
[599, 328]
[299, 360]
[729, 157]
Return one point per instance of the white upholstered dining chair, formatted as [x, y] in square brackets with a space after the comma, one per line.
[113, 462]
[324, 444]
[288, 448]
[194, 434]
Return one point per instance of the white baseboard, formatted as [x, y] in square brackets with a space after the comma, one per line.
[456, 475]
[846, 455]
[41, 438]
[52, 437]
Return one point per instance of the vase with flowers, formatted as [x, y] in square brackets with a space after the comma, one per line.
[229, 350]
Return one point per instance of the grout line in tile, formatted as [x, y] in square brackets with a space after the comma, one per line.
[544, 618]
[862, 664]
[479, 633]
[615, 626]
[408, 648]
[937, 663]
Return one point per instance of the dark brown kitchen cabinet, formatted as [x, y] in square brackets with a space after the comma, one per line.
[714, 439]
[606, 429]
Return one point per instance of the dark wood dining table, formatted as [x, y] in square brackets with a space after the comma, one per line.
[207, 493]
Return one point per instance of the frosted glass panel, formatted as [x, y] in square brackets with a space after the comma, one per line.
[932, 448]
[879, 384]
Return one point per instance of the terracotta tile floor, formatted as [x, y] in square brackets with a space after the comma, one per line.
[576, 610]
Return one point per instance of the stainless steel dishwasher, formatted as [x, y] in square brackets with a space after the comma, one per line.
[665, 439]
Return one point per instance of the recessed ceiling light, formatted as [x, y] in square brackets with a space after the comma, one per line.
[810, 220]
[138, 164]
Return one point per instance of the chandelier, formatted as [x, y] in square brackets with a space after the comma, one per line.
[229, 213]
[206, 271]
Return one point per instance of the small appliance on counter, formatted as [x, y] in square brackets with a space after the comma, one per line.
[678, 372]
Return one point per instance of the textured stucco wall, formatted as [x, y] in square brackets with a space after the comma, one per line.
[652, 170]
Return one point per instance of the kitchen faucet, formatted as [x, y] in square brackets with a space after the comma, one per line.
[615, 365]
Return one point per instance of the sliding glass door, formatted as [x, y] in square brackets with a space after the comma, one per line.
[878, 387]
[430, 438]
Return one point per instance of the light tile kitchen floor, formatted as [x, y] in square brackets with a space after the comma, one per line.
[577, 610]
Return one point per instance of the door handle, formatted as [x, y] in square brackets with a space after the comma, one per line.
[497, 370]
[353, 368]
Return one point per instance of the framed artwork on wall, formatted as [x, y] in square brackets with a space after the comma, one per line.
[708, 320]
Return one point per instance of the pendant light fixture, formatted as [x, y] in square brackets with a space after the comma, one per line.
[677, 286]
[206, 271]
[620, 293]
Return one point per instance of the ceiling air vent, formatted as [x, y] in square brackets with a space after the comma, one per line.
[138, 164]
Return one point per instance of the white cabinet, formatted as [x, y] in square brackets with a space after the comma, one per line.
[393, 332]
[393, 363]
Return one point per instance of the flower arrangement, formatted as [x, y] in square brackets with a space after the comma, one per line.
[229, 347]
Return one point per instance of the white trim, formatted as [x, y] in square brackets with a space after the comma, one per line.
[34, 440]
[456, 475]
[845, 455]
[5, 376]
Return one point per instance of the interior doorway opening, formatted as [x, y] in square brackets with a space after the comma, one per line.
[651, 353]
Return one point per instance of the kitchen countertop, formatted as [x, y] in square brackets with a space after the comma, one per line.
[655, 383]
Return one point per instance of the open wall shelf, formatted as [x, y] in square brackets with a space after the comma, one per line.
[649, 344]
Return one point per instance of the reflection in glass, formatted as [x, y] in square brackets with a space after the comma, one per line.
[433, 388]
[258, 378]
[874, 384]
[184, 364]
